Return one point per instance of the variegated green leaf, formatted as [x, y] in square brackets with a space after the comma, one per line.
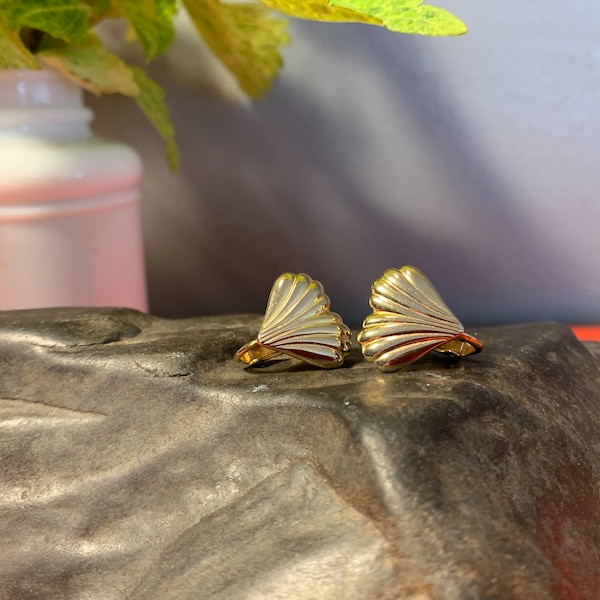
[13, 54]
[151, 99]
[63, 19]
[244, 37]
[90, 66]
[407, 16]
[152, 21]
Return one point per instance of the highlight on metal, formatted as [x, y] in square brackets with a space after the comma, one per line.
[298, 323]
[409, 320]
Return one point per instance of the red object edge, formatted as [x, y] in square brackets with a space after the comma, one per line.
[587, 333]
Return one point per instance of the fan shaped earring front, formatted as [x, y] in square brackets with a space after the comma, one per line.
[298, 324]
[409, 320]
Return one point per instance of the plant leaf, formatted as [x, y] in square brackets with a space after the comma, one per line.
[98, 71]
[13, 54]
[90, 66]
[152, 21]
[244, 38]
[405, 16]
[319, 10]
[151, 100]
[99, 6]
[103, 9]
[63, 19]
[408, 16]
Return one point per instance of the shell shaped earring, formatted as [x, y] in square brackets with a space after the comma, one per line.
[298, 324]
[409, 320]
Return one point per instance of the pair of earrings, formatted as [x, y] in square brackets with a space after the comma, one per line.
[409, 320]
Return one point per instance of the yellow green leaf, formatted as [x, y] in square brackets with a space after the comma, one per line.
[90, 66]
[63, 19]
[13, 54]
[244, 37]
[407, 16]
[99, 6]
[319, 10]
[103, 9]
[152, 21]
[151, 100]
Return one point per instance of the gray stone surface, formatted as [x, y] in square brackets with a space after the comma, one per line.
[139, 461]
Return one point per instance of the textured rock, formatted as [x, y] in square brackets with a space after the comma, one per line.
[139, 461]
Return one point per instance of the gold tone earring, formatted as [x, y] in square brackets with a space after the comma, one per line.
[409, 320]
[298, 324]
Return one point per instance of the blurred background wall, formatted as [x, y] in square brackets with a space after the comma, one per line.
[475, 158]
